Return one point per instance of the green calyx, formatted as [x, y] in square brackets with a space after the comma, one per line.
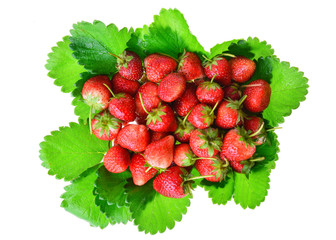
[211, 140]
[208, 114]
[237, 105]
[210, 85]
[94, 102]
[155, 115]
[221, 168]
[181, 60]
[105, 122]
[183, 127]
[248, 164]
[123, 60]
[209, 62]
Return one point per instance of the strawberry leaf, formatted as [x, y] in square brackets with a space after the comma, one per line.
[259, 49]
[220, 48]
[70, 151]
[289, 88]
[219, 192]
[92, 44]
[170, 34]
[251, 191]
[137, 42]
[79, 199]
[63, 67]
[153, 212]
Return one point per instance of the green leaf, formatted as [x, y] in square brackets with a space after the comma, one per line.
[220, 48]
[137, 42]
[219, 192]
[153, 212]
[93, 43]
[79, 199]
[289, 88]
[251, 191]
[63, 67]
[259, 49]
[110, 186]
[71, 150]
[170, 34]
[115, 213]
[82, 110]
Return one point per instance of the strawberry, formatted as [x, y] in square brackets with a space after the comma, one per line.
[258, 94]
[157, 135]
[187, 101]
[232, 92]
[160, 119]
[95, 93]
[205, 143]
[129, 65]
[242, 68]
[212, 166]
[202, 116]
[190, 66]
[183, 155]
[218, 68]
[229, 113]
[117, 159]
[255, 125]
[134, 137]
[123, 85]
[160, 154]
[172, 87]
[184, 129]
[122, 106]
[140, 173]
[237, 145]
[209, 92]
[150, 98]
[105, 126]
[170, 183]
[237, 166]
[158, 66]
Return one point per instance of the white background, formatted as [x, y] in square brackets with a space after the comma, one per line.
[301, 201]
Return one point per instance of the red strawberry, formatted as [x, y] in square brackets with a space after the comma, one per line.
[209, 92]
[202, 116]
[134, 137]
[122, 106]
[160, 153]
[173, 126]
[170, 183]
[140, 173]
[191, 66]
[95, 93]
[158, 66]
[129, 65]
[172, 87]
[219, 68]
[229, 113]
[161, 118]
[183, 155]
[150, 98]
[237, 145]
[237, 166]
[215, 167]
[205, 143]
[255, 126]
[117, 159]
[187, 101]
[105, 126]
[157, 135]
[123, 85]
[232, 92]
[184, 129]
[258, 94]
[242, 68]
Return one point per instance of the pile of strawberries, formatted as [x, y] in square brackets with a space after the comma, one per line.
[166, 115]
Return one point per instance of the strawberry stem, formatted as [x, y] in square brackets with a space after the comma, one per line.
[252, 85]
[242, 100]
[109, 90]
[213, 109]
[90, 119]
[198, 177]
[186, 117]
[257, 159]
[258, 131]
[228, 55]
[272, 129]
[142, 104]
[213, 78]
[110, 144]
[115, 56]
[198, 158]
